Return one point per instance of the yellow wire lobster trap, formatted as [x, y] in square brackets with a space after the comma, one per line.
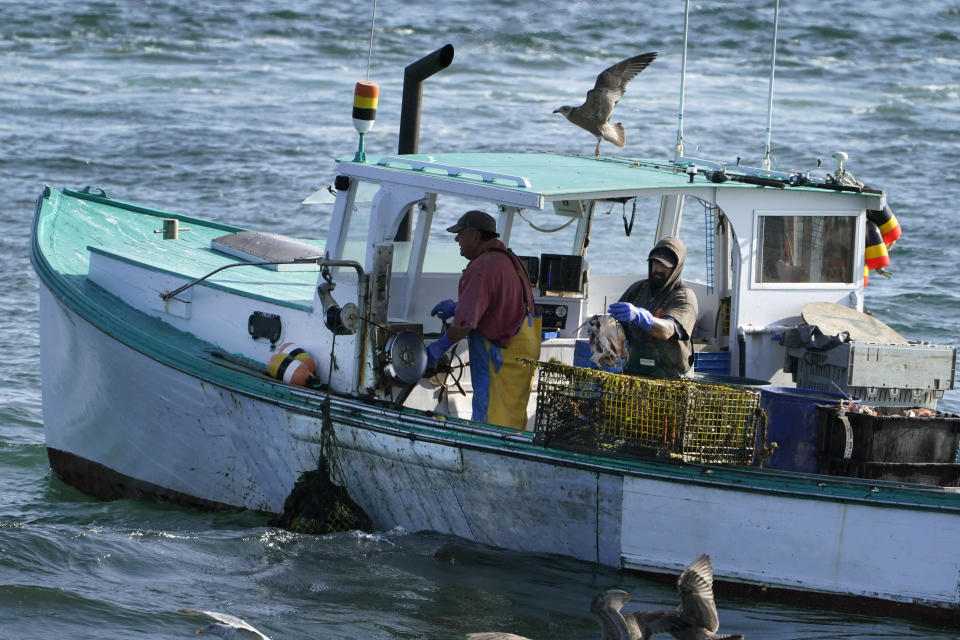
[694, 421]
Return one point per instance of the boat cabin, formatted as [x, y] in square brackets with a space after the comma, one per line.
[757, 253]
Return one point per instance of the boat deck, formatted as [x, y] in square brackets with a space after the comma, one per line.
[84, 223]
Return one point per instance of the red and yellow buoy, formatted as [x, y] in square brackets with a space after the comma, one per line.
[365, 97]
[886, 222]
[875, 255]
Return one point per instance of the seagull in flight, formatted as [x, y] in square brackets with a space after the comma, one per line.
[226, 626]
[594, 114]
[696, 617]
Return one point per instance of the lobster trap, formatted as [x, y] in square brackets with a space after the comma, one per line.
[593, 410]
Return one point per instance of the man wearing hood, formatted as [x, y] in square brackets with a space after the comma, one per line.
[658, 315]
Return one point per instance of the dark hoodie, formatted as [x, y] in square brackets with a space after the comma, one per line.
[662, 358]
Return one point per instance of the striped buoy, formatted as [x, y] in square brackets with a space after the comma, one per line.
[876, 252]
[886, 222]
[365, 106]
[295, 351]
[284, 367]
[866, 275]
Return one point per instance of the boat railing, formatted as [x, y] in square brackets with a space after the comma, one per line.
[452, 171]
[318, 260]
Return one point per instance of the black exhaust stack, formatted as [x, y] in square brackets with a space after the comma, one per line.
[413, 77]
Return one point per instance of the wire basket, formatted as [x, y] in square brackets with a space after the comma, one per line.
[594, 410]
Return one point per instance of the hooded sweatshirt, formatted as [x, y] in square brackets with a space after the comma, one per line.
[673, 357]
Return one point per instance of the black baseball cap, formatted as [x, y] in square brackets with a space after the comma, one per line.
[475, 220]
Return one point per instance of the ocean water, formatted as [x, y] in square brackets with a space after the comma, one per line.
[234, 111]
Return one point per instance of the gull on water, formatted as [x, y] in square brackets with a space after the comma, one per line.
[226, 626]
[696, 617]
[594, 114]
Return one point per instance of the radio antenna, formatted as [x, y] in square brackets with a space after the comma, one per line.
[773, 66]
[370, 50]
[683, 83]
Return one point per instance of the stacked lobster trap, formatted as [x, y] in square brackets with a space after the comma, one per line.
[593, 410]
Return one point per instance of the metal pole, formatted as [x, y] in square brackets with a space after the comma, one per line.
[773, 66]
[683, 82]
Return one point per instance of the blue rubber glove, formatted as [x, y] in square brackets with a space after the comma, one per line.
[626, 312]
[436, 350]
[444, 309]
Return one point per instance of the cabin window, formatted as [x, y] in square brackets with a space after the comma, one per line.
[806, 249]
[529, 233]
[358, 223]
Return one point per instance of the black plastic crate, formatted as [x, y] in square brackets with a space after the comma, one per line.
[889, 438]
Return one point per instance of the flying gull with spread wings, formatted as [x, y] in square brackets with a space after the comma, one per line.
[594, 114]
[226, 626]
[696, 617]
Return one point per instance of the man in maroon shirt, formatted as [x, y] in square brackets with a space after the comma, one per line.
[494, 312]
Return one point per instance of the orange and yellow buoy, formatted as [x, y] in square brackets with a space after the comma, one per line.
[298, 353]
[365, 97]
[283, 366]
[886, 222]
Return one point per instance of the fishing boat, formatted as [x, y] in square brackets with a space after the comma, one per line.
[213, 366]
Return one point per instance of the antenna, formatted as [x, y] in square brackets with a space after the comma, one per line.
[683, 83]
[773, 66]
[365, 97]
[370, 50]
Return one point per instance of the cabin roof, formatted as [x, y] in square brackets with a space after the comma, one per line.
[530, 179]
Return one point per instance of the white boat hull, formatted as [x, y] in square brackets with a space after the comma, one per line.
[170, 435]
[179, 438]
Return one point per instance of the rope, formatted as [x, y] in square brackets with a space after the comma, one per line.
[541, 229]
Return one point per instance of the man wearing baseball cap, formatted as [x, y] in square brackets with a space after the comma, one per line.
[494, 311]
[658, 315]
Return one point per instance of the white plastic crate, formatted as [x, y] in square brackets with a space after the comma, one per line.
[885, 375]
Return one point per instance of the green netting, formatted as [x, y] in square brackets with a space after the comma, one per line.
[318, 506]
[694, 421]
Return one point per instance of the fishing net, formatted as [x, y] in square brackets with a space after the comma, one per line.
[318, 506]
[594, 410]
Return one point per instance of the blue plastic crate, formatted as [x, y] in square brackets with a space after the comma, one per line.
[712, 362]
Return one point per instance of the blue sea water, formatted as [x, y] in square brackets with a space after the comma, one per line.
[234, 111]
